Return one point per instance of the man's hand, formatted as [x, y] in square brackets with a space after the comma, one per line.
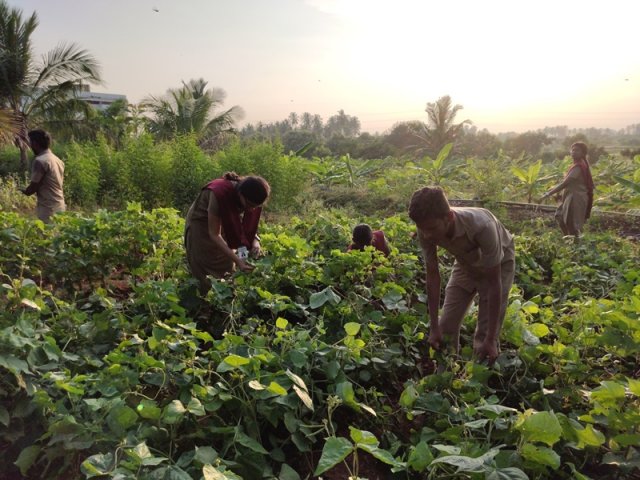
[435, 338]
[486, 351]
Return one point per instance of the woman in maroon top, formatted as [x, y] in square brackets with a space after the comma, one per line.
[363, 236]
[577, 193]
[221, 226]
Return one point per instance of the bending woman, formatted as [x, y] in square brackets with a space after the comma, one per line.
[577, 198]
[223, 219]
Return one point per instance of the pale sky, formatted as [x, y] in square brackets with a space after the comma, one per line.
[514, 65]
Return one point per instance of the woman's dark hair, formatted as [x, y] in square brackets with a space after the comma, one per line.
[42, 138]
[253, 188]
[362, 235]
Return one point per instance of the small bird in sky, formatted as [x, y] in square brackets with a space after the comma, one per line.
[155, 9]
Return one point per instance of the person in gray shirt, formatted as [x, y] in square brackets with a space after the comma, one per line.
[47, 177]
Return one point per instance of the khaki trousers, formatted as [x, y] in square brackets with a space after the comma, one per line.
[460, 292]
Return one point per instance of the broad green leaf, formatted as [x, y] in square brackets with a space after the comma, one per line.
[352, 328]
[173, 412]
[236, 360]
[589, 436]
[462, 463]
[97, 465]
[539, 427]
[608, 393]
[276, 388]
[409, 396]
[250, 443]
[120, 418]
[420, 457]
[316, 300]
[508, 473]
[477, 423]
[541, 455]
[281, 323]
[142, 451]
[344, 390]
[26, 458]
[530, 307]
[449, 449]
[362, 437]
[634, 386]
[205, 455]
[444, 153]
[288, 473]
[381, 454]
[14, 364]
[195, 407]
[628, 439]
[149, 409]
[539, 329]
[335, 450]
[495, 410]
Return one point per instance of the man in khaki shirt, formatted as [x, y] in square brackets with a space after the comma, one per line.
[484, 264]
[47, 177]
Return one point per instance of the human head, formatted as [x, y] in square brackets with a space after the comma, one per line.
[362, 235]
[579, 150]
[255, 190]
[430, 210]
[39, 140]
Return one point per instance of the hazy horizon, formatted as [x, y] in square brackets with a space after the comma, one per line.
[513, 66]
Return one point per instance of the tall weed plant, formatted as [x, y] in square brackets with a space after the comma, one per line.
[189, 171]
[81, 175]
[11, 198]
[150, 171]
[9, 160]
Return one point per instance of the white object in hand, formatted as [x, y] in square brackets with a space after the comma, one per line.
[243, 253]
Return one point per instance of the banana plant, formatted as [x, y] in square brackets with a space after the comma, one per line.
[436, 169]
[530, 178]
[343, 170]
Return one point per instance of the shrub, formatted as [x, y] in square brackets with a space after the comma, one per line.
[149, 171]
[190, 170]
[81, 175]
[11, 198]
[285, 173]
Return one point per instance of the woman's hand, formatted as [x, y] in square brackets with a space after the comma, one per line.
[255, 249]
[244, 266]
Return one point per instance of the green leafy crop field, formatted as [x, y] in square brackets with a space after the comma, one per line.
[314, 365]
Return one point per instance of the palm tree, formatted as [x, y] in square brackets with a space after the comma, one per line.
[29, 88]
[440, 129]
[189, 109]
[9, 126]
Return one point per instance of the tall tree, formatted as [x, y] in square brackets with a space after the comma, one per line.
[190, 109]
[29, 88]
[440, 128]
[343, 125]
